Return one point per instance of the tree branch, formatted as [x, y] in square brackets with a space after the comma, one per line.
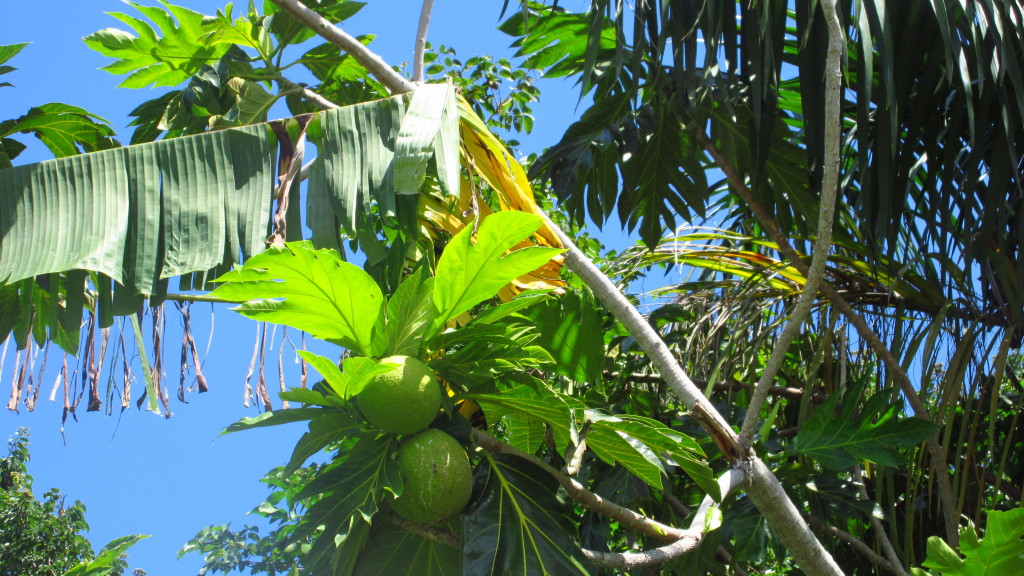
[394, 81]
[654, 557]
[581, 494]
[722, 554]
[860, 546]
[764, 489]
[935, 450]
[421, 41]
[683, 540]
[829, 186]
[314, 98]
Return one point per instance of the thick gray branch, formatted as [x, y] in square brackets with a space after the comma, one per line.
[633, 560]
[421, 41]
[764, 489]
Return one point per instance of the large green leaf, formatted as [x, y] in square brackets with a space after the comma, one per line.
[485, 352]
[66, 130]
[615, 447]
[8, 51]
[355, 373]
[140, 213]
[842, 440]
[642, 444]
[555, 40]
[354, 168]
[275, 418]
[349, 489]
[560, 413]
[519, 524]
[999, 553]
[324, 430]
[107, 562]
[312, 290]
[151, 60]
[570, 328]
[392, 551]
[252, 100]
[410, 314]
[469, 273]
[420, 128]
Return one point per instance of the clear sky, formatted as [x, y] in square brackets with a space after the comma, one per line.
[136, 472]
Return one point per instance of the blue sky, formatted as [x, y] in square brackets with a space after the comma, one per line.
[137, 472]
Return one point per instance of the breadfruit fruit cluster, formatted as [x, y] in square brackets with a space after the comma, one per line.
[404, 400]
[436, 475]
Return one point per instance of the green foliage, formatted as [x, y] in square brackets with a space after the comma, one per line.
[842, 439]
[570, 329]
[519, 525]
[110, 560]
[151, 60]
[469, 273]
[7, 52]
[226, 86]
[314, 291]
[45, 537]
[349, 490]
[410, 316]
[65, 130]
[500, 92]
[999, 553]
[393, 551]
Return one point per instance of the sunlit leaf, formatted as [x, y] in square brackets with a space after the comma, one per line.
[312, 290]
[469, 273]
[151, 60]
[411, 313]
[275, 418]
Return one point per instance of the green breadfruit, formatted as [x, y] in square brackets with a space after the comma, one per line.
[404, 400]
[436, 475]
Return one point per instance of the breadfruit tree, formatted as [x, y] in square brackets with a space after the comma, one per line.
[763, 415]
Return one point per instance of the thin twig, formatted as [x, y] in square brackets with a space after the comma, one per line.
[314, 98]
[628, 518]
[856, 543]
[829, 187]
[876, 524]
